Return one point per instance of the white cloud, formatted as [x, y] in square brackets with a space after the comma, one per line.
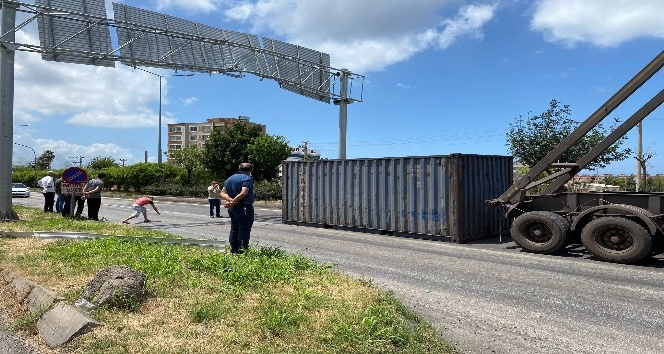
[189, 101]
[604, 23]
[66, 152]
[203, 6]
[82, 94]
[364, 36]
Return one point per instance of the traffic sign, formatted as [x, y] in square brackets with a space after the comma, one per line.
[72, 188]
[74, 175]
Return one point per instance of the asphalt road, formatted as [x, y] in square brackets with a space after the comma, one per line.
[485, 297]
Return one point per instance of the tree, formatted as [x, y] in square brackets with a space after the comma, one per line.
[45, 159]
[99, 163]
[266, 153]
[188, 158]
[542, 133]
[225, 150]
[626, 183]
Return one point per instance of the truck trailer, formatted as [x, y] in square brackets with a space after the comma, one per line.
[620, 227]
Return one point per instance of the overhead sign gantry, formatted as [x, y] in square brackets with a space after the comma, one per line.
[80, 32]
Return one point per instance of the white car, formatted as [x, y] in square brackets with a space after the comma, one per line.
[20, 190]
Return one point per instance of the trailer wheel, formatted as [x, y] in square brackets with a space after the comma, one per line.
[540, 231]
[616, 239]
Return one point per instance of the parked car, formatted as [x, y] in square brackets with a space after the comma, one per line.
[20, 190]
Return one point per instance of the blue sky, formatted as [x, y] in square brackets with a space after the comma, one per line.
[441, 77]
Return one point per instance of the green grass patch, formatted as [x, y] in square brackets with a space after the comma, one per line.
[201, 300]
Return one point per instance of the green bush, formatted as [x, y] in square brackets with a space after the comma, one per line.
[268, 190]
[198, 190]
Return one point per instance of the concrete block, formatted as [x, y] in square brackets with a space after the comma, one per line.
[22, 287]
[41, 298]
[7, 277]
[62, 323]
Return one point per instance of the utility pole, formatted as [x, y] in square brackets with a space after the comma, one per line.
[123, 161]
[80, 160]
[644, 176]
[306, 148]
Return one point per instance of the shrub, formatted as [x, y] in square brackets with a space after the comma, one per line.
[268, 190]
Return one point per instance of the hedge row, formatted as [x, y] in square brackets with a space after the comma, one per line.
[154, 179]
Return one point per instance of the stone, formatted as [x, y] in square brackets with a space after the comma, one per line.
[62, 323]
[116, 285]
[22, 287]
[41, 299]
[7, 277]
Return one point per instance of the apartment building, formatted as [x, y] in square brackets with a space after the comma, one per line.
[181, 135]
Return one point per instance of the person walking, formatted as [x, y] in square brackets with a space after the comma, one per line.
[238, 192]
[214, 199]
[92, 193]
[48, 190]
[139, 208]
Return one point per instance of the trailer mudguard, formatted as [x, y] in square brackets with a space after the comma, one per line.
[645, 215]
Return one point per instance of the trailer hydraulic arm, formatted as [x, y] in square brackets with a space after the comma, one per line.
[516, 193]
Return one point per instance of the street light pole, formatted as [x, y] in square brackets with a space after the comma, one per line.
[34, 165]
[159, 140]
[159, 151]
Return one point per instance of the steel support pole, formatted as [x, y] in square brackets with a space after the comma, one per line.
[7, 108]
[639, 157]
[343, 112]
[159, 139]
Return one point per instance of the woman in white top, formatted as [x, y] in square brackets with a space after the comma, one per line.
[48, 190]
[214, 199]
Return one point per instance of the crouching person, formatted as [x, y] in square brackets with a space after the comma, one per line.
[139, 208]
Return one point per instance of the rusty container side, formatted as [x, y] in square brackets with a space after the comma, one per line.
[430, 195]
[478, 178]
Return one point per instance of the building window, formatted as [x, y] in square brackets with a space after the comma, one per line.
[175, 138]
[193, 129]
[206, 128]
[204, 137]
[174, 129]
[193, 137]
[175, 147]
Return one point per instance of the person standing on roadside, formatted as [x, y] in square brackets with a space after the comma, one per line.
[79, 205]
[48, 190]
[92, 193]
[60, 201]
[214, 199]
[238, 192]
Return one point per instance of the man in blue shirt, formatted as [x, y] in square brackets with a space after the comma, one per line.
[238, 192]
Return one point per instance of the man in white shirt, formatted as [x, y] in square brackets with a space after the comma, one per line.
[48, 190]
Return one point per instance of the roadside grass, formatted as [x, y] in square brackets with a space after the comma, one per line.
[201, 300]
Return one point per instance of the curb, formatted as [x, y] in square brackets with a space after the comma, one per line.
[58, 322]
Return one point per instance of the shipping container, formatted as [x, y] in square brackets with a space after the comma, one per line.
[429, 196]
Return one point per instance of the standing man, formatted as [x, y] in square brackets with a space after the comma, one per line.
[238, 192]
[48, 190]
[92, 192]
[213, 198]
[60, 201]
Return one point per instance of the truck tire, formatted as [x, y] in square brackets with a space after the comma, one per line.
[540, 231]
[616, 239]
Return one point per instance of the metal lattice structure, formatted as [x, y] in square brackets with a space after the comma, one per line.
[79, 32]
[74, 28]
